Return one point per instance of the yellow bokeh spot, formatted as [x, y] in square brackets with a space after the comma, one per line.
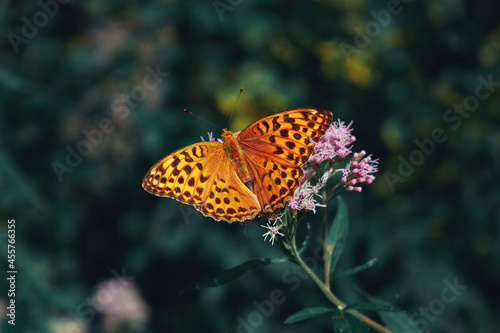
[241, 120]
[357, 72]
[286, 52]
[331, 58]
[325, 51]
[487, 56]
[225, 100]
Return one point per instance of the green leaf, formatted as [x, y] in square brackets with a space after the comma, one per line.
[356, 269]
[217, 279]
[373, 306]
[336, 237]
[306, 240]
[308, 313]
[398, 322]
[340, 323]
[285, 247]
[358, 326]
[345, 323]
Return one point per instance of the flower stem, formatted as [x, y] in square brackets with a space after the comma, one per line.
[327, 292]
[330, 195]
[325, 253]
[315, 278]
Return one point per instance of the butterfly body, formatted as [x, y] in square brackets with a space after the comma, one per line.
[235, 153]
[251, 172]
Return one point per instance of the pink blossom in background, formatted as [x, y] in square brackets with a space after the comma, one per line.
[121, 305]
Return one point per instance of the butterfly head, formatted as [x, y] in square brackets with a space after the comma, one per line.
[235, 153]
[229, 140]
[227, 134]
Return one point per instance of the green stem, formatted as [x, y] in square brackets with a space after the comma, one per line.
[330, 194]
[317, 280]
[327, 292]
[325, 253]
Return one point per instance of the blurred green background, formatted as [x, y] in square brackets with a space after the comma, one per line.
[394, 68]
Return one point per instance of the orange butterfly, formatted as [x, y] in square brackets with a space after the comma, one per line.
[250, 172]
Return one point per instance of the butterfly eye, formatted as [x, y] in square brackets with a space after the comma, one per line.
[249, 184]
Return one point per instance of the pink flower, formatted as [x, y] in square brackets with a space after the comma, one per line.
[358, 171]
[335, 142]
[273, 229]
[121, 304]
[303, 197]
[308, 173]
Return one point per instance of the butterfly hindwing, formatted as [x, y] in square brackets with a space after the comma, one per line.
[276, 183]
[228, 198]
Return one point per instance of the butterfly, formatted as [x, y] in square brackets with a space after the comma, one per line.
[254, 171]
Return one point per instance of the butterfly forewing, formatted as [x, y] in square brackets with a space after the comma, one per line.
[201, 176]
[276, 147]
[286, 136]
[182, 175]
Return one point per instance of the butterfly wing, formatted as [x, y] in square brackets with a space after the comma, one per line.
[276, 147]
[276, 182]
[201, 175]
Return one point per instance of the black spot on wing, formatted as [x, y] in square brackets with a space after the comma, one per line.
[176, 162]
[266, 125]
[194, 152]
[260, 129]
[276, 124]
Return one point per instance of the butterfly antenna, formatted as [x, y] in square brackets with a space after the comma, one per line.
[187, 111]
[241, 90]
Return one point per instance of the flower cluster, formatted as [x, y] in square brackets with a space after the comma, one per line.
[334, 146]
[334, 143]
[274, 226]
[303, 197]
[358, 171]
